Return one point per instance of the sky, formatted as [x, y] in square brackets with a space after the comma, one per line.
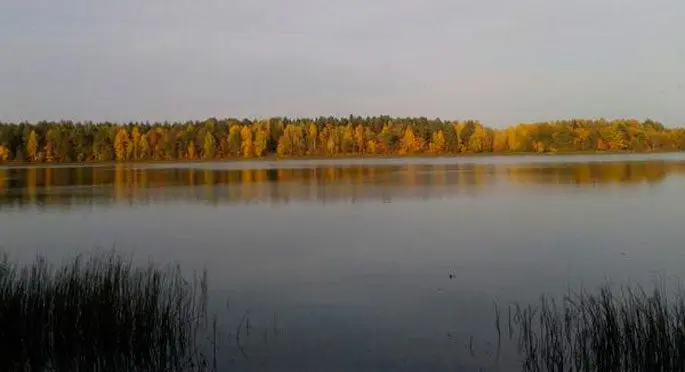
[499, 61]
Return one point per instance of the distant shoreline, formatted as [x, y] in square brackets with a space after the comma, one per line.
[275, 158]
[324, 138]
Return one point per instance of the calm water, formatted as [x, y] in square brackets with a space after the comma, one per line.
[347, 263]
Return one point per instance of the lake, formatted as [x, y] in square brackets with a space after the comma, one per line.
[366, 264]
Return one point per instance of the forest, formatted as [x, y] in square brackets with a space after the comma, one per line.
[214, 139]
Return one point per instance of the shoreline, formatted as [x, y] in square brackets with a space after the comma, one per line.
[275, 158]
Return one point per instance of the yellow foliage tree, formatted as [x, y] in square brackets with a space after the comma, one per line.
[538, 146]
[260, 142]
[360, 139]
[49, 146]
[191, 151]
[613, 137]
[209, 147]
[437, 145]
[144, 147]
[4, 154]
[247, 143]
[602, 145]
[233, 141]
[134, 144]
[385, 138]
[312, 139]
[516, 138]
[32, 146]
[500, 142]
[332, 143]
[410, 144]
[292, 142]
[371, 147]
[581, 138]
[121, 144]
[481, 140]
[347, 144]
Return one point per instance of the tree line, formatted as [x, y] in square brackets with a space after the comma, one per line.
[214, 139]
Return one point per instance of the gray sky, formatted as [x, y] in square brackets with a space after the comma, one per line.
[500, 61]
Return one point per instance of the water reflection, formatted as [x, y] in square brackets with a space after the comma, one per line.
[620, 173]
[128, 184]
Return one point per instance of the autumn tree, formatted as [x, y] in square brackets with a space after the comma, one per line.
[387, 139]
[480, 139]
[437, 145]
[332, 141]
[451, 139]
[234, 141]
[347, 143]
[134, 144]
[191, 151]
[4, 154]
[120, 144]
[32, 146]
[360, 139]
[410, 144]
[292, 142]
[499, 143]
[49, 148]
[209, 148]
[143, 148]
[66, 141]
[247, 143]
[260, 142]
[312, 139]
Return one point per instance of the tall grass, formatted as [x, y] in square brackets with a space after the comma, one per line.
[100, 314]
[612, 330]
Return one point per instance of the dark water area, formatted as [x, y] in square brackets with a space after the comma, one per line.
[378, 264]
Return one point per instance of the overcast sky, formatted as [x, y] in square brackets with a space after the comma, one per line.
[500, 61]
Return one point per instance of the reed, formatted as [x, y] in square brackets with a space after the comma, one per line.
[622, 329]
[100, 313]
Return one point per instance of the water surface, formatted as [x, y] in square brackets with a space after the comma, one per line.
[348, 262]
